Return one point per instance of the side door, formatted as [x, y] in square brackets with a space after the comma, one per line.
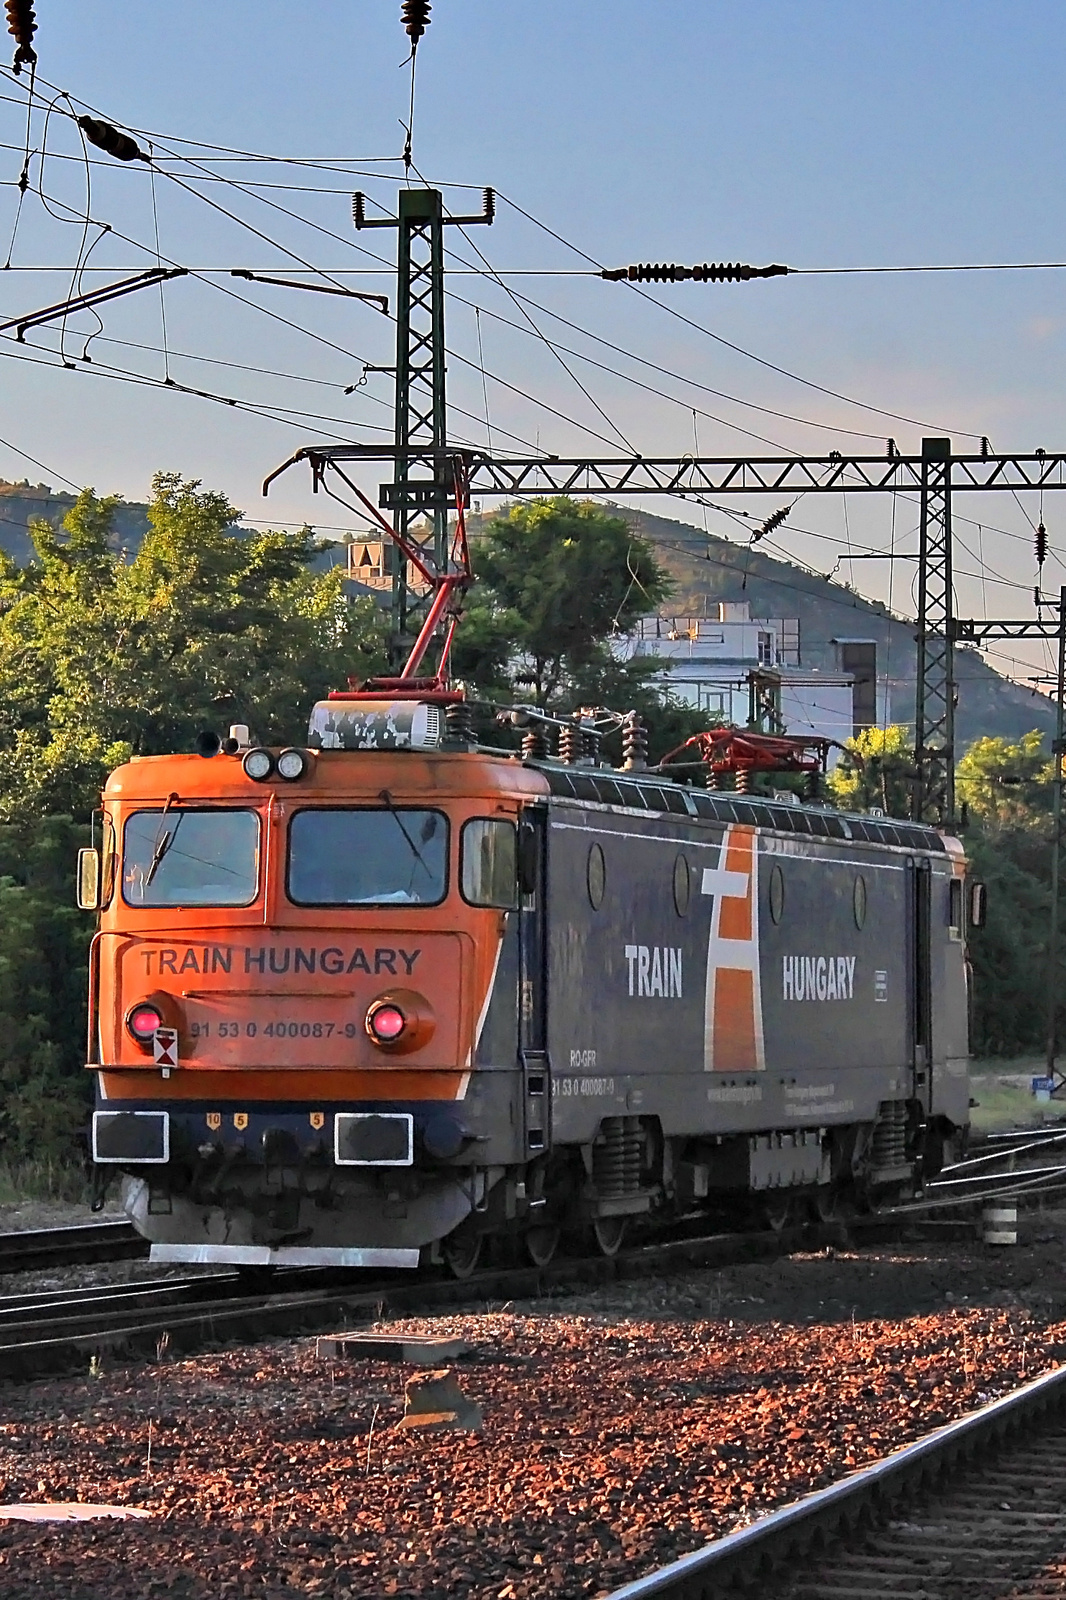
[533, 992]
[920, 987]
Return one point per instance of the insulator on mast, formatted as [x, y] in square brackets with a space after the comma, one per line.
[21, 25]
[1041, 544]
[414, 14]
[774, 520]
[117, 144]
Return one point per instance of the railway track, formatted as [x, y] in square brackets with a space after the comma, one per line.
[975, 1511]
[92, 1242]
[967, 1184]
[52, 1333]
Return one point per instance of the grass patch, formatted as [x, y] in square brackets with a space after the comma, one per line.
[1005, 1098]
[66, 1182]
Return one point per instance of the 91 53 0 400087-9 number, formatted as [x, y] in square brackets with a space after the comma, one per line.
[281, 1029]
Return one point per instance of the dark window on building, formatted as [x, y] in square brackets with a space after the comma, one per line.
[860, 659]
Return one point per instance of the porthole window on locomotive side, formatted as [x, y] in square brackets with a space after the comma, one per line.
[777, 893]
[682, 885]
[859, 900]
[596, 876]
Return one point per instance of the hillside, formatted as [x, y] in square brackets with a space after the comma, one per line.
[707, 569]
[23, 503]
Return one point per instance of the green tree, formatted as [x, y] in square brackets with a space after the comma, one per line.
[101, 657]
[1006, 789]
[1006, 786]
[556, 581]
[45, 1091]
[877, 770]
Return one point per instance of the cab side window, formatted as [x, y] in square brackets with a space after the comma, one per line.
[489, 866]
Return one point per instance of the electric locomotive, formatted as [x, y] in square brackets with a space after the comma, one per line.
[377, 1000]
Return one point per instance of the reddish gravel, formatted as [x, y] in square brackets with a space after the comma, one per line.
[621, 1430]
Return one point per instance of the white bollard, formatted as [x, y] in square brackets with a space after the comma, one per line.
[999, 1224]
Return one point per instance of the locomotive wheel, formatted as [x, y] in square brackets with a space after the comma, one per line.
[541, 1244]
[462, 1255]
[608, 1232]
[779, 1212]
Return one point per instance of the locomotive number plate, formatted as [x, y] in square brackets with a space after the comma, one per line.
[568, 1088]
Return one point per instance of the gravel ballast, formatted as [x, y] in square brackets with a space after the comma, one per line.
[622, 1428]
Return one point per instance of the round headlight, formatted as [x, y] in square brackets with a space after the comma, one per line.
[292, 764]
[258, 764]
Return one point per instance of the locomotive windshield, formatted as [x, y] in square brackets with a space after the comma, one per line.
[368, 857]
[190, 858]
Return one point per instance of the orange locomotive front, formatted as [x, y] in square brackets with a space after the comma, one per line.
[290, 980]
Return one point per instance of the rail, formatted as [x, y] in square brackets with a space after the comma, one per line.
[752, 1556]
[34, 1248]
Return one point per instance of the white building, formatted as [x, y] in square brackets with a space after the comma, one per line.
[747, 669]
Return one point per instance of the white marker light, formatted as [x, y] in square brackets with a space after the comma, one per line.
[258, 764]
[292, 764]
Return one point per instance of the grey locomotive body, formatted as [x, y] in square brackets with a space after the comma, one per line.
[741, 998]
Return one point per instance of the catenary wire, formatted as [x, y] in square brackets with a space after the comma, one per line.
[295, 216]
[493, 275]
[25, 455]
[720, 339]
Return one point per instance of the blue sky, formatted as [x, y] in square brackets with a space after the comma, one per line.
[816, 134]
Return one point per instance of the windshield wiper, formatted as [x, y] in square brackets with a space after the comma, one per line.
[415, 851]
[164, 840]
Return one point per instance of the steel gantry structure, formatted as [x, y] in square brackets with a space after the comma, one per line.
[432, 477]
[936, 474]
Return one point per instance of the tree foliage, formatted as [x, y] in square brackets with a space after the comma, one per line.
[1005, 792]
[556, 581]
[45, 1091]
[877, 770]
[559, 584]
[102, 657]
[1006, 786]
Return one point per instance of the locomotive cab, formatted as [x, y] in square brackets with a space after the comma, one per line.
[291, 990]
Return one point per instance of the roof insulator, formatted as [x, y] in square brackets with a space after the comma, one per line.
[105, 137]
[414, 14]
[21, 25]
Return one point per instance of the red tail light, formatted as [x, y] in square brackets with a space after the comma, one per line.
[385, 1022]
[142, 1020]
